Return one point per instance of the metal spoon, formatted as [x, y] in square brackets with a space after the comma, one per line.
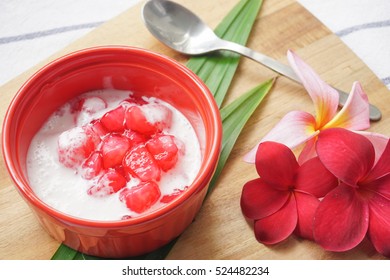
[183, 31]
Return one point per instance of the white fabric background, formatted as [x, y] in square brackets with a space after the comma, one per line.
[30, 31]
[363, 25]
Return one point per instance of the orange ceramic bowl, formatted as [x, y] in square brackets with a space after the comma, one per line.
[125, 68]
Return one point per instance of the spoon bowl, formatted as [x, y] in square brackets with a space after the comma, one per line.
[180, 29]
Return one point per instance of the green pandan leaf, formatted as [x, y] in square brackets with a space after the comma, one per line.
[65, 253]
[234, 117]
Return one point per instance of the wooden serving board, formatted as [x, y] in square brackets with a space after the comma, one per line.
[220, 230]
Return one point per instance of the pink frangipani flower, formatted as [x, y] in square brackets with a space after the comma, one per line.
[299, 127]
[360, 204]
[285, 197]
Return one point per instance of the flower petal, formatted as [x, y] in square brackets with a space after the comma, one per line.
[355, 113]
[378, 140]
[325, 98]
[306, 208]
[382, 167]
[276, 164]
[380, 186]
[341, 220]
[259, 199]
[293, 129]
[314, 178]
[278, 226]
[308, 151]
[379, 228]
[349, 156]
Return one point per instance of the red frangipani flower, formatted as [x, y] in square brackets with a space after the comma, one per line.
[338, 192]
[285, 197]
[360, 204]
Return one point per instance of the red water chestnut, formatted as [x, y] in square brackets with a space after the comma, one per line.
[114, 148]
[148, 119]
[164, 150]
[285, 197]
[110, 182]
[114, 120]
[74, 146]
[360, 205]
[92, 166]
[98, 128]
[140, 163]
[135, 138]
[141, 197]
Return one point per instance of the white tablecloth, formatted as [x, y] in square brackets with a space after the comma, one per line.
[363, 25]
[30, 31]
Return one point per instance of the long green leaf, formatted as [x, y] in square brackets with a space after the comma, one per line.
[217, 72]
[65, 253]
[234, 117]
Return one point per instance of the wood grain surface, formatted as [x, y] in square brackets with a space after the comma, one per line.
[220, 230]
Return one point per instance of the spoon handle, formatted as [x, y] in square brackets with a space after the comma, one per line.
[287, 71]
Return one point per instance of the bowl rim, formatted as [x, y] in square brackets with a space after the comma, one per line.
[203, 174]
